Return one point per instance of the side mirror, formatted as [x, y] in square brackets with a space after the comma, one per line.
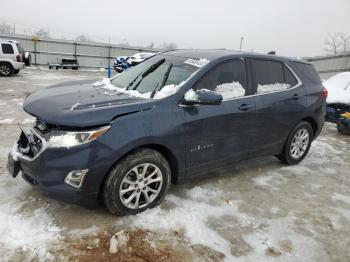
[202, 97]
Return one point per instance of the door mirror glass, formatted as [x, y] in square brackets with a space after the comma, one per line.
[202, 97]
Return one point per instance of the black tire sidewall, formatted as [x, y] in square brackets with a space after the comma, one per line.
[287, 156]
[111, 187]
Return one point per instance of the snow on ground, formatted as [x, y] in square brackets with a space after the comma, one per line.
[260, 210]
[32, 232]
[191, 214]
[6, 121]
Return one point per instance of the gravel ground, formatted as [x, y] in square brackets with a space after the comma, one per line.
[259, 210]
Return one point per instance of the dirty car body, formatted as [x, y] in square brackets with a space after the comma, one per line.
[194, 138]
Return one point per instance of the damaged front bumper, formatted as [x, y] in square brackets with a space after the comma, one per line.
[48, 168]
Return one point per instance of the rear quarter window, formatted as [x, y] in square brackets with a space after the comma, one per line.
[308, 71]
[7, 49]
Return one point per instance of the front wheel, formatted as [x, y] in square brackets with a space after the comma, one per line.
[138, 182]
[298, 144]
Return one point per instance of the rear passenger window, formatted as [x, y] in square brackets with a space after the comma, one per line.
[272, 76]
[7, 49]
[227, 79]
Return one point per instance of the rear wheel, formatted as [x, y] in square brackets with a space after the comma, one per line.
[6, 69]
[138, 182]
[298, 144]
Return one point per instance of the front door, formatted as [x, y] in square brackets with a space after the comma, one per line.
[217, 135]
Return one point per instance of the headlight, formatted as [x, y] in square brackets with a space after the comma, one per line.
[60, 138]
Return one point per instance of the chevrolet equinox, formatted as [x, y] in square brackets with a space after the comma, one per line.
[177, 115]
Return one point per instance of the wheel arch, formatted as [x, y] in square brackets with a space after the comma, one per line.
[313, 124]
[6, 62]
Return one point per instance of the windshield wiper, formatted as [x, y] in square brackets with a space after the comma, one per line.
[165, 78]
[145, 73]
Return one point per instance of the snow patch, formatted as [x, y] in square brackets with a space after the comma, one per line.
[74, 106]
[272, 88]
[33, 232]
[28, 120]
[197, 62]
[230, 90]
[166, 91]
[191, 95]
[192, 214]
[106, 84]
[341, 197]
[6, 121]
[118, 242]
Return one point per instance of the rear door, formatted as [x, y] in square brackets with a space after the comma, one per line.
[220, 134]
[280, 104]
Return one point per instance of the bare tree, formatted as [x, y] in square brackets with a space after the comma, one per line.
[336, 43]
[42, 33]
[82, 38]
[5, 28]
[168, 46]
[345, 41]
[171, 46]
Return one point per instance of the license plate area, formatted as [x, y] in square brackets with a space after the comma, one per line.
[13, 166]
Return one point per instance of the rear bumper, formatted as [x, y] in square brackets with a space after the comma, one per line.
[48, 169]
[18, 65]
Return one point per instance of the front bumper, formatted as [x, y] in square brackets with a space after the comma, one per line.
[48, 168]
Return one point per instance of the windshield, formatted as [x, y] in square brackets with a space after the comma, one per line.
[155, 73]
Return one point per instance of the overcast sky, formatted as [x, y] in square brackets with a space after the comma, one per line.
[291, 27]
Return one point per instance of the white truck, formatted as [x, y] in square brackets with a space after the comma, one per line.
[13, 58]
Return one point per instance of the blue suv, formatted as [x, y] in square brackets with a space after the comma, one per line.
[178, 115]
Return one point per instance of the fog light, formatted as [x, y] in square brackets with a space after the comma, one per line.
[76, 178]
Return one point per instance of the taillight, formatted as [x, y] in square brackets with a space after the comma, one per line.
[325, 93]
[19, 58]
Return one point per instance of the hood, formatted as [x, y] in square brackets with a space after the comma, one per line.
[79, 104]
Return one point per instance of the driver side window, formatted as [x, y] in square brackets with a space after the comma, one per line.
[227, 78]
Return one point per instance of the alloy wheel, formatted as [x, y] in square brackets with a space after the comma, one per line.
[140, 186]
[300, 143]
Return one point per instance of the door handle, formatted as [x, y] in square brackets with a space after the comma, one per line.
[297, 96]
[245, 107]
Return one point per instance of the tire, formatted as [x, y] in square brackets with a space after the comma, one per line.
[5, 69]
[15, 72]
[297, 145]
[343, 129]
[123, 176]
[28, 61]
